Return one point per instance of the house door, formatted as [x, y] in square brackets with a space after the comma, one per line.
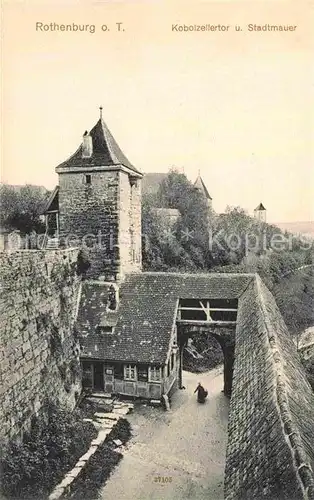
[52, 223]
[98, 376]
[109, 379]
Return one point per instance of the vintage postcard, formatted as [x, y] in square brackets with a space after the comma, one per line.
[156, 246]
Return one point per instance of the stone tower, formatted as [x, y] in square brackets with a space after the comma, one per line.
[260, 213]
[100, 204]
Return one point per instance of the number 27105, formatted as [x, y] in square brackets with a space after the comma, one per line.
[162, 479]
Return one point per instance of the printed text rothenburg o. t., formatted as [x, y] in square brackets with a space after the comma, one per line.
[88, 28]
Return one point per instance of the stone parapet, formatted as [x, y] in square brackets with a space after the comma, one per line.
[270, 452]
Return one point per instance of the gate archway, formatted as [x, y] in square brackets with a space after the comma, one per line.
[215, 318]
[226, 339]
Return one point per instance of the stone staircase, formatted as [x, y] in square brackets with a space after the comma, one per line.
[52, 243]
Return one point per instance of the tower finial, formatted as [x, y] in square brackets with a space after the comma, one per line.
[199, 172]
[100, 109]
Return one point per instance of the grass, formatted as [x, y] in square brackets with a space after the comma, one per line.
[97, 471]
[32, 468]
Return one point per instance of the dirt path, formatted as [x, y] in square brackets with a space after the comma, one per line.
[186, 445]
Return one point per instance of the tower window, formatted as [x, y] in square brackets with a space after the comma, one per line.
[88, 179]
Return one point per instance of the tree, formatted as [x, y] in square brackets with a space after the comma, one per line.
[183, 245]
[21, 207]
[202, 240]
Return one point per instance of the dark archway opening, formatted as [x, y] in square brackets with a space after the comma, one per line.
[202, 353]
[217, 343]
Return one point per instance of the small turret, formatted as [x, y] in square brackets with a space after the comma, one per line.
[260, 213]
[200, 186]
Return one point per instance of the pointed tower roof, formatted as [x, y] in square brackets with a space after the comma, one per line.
[105, 151]
[199, 184]
[259, 207]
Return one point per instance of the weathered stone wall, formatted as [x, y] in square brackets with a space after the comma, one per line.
[129, 224]
[39, 354]
[104, 217]
[271, 421]
[89, 213]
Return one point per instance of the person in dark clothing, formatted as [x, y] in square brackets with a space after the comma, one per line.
[201, 393]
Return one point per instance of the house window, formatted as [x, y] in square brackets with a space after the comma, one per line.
[104, 329]
[142, 373]
[88, 179]
[118, 371]
[130, 372]
[168, 368]
[154, 374]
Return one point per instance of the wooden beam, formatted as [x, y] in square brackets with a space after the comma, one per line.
[208, 316]
[202, 322]
[57, 223]
[205, 310]
[201, 309]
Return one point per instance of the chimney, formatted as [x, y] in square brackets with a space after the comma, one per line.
[87, 145]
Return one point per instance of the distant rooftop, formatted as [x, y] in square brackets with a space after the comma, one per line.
[151, 182]
[199, 184]
[259, 207]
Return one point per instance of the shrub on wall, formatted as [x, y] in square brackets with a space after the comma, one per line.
[309, 368]
[83, 262]
[55, 343]
[52, 447]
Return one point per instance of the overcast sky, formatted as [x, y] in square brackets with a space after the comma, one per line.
[238, 106]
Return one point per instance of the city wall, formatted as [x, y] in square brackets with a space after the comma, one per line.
[270, 452]
[39, 356]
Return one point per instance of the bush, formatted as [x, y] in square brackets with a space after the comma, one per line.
[83, 262]
[121, 431]
[31, 469]
[309, 368]
[294, 296]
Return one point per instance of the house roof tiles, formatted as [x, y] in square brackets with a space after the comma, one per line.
[51, 202]
[146, 312]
